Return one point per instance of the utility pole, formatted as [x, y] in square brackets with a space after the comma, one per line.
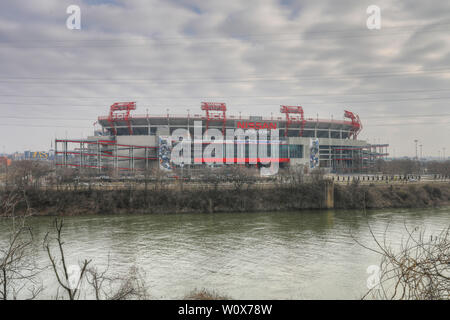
[421, 155]
[443, 156]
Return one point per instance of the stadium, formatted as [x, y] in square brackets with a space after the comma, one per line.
[136, 142]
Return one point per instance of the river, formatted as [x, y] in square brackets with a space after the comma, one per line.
[279, 255]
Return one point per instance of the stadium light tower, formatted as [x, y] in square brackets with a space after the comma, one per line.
[416, 147]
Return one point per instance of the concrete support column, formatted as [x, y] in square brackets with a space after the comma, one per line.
[329, 194]
[81, 154]
[116, 158]
[65, 153]
[99, 159]
[55, 161]
[146, 159]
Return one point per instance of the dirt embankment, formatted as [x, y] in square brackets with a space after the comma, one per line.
[276, 198]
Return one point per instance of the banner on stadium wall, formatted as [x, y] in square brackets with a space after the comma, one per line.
[314, 153]
[164, 153]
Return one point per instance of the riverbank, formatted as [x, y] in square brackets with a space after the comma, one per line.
[391, 196]
[277, 197]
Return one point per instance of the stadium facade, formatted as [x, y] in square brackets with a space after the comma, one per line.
[139, 142]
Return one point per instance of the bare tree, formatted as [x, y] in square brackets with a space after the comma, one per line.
[317, 175]
[398, 166]
[18, 268]
[204, 294]
[60, 269]
[106, 287]
[238, 176]
[442, 168]
[294, 175]
[26, 173]
[91, 280]
[66, 175]
[418, 270]
[8, 202]
[116, 287]
[159, 178]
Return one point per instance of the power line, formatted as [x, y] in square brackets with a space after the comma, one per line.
[244, 105]
[42, 126]
[407, 116]
[409, 124]
[228, 79]
[90, 127]
[356, 28]
[48, 118]
[162, 41]
[229, 96]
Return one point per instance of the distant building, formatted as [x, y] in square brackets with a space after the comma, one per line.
[4, 161]
[36, 155]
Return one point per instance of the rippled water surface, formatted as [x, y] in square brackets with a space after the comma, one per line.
[295, 255]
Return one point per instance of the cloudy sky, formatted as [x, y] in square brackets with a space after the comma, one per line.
[254, 55]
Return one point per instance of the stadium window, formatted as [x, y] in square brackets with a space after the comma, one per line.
[296, 151]
[284, 151]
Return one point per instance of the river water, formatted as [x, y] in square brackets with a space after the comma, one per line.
[292, 255]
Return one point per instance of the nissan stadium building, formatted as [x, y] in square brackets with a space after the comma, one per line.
[129, 141]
